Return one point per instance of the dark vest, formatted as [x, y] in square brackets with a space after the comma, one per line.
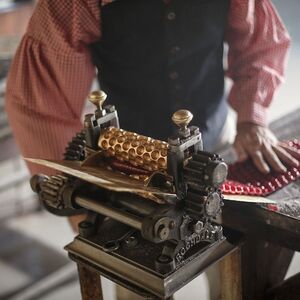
[154, 59]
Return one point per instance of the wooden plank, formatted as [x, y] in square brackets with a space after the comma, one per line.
[262, 224]
[230, 276]
[90, 283]
[264, 265]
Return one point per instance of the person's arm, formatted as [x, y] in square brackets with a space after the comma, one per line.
[51, 76]
[258, 45]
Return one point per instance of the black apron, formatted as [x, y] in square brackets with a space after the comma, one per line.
[154, 59]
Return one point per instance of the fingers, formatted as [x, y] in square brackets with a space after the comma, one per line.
[291, 150]
[275, 157]
[286, 157]
[239, 149]
[272, 158]
[262, 146]
[259, 162]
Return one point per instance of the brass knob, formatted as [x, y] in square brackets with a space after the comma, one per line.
[182, 118]
[97, 98]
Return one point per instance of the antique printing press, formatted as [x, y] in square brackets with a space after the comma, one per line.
[150, 205]
[153, 208]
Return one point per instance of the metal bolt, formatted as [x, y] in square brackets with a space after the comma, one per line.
[163, 232]
[111, 246]
[198, 226]
[86, 228]
[131, 242]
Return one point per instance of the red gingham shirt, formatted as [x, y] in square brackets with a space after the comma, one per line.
[52, 71]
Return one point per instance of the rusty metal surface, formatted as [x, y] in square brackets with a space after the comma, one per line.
[133, 264]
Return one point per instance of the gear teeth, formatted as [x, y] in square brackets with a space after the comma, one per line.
[197, 176]
[52, 189]
[200, 170]
[76, 148]
[194, 171]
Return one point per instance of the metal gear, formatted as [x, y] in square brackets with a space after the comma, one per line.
[76, 147]
[52, 189]
[205, 169]
[204, 173]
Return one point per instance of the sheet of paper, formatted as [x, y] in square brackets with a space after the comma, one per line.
[249, 199]
[118, 182]
[105, 178]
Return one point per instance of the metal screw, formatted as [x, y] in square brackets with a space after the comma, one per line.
[111, 246]
[198, 226]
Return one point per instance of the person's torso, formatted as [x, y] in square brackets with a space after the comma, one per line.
[154, 58]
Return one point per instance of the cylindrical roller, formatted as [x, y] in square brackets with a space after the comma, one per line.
[101, 208]
[139, 150]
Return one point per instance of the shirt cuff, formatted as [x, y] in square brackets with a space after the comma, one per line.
[252, 112]
[251, 97]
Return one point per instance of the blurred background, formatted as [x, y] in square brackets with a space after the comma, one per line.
[33, 264]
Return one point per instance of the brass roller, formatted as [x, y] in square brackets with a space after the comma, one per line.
[139, 150]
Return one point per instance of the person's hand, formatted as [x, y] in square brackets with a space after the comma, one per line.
[261, 145]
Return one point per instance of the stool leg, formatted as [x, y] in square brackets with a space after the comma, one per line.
[230, 276]
[90, 283]
[125, 294]
[264, 265]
